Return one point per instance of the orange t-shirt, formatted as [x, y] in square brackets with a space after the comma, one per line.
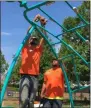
[30, 60]
[54, 81]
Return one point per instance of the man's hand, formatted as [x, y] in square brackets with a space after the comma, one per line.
[40, 18]
[42, 96]
[43, 90]
[43, 21]
[37, 18]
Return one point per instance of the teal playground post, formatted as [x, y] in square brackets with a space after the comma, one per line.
[13, 64]
[23, 3]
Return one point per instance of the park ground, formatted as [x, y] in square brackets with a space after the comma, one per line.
[82, 100]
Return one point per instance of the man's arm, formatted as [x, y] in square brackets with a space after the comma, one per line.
[43, 90]
[43, 22]
[29, 28]
[36, 19]
[27, 33]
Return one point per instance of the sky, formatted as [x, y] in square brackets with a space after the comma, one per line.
[14, 25]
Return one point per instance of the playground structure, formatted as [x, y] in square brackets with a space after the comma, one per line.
[36, 26]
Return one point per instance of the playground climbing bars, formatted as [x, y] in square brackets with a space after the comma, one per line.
[23, 3]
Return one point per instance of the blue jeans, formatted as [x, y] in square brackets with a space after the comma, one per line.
[27, 91]
[52, 103]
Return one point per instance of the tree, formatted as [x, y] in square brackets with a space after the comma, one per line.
[16, 76]
[3, 65]
[77, 43]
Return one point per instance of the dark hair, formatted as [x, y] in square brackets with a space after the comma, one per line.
[54, 59]
[33, 37]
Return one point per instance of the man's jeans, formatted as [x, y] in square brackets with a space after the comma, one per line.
[52, 103]
[27, 91]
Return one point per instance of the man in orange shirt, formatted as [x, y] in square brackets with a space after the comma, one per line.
[53, 87]
[29, 70]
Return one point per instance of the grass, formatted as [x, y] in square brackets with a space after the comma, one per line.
[12, 103]
[13, 89]
[8, 103]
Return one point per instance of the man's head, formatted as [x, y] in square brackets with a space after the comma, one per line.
[55, 63]
[33, 41]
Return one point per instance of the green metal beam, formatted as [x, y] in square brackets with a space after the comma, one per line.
[81, 88]
[77, 27]
[55, 43]
[68, 85]
[70, 47]
[23, 4]
[82, 19]
[52, 19]
[33, 23]
[80, 36]
[64, 57]
[72, 30]
[47, 42]
[76, 74]
[13, 64]
[36, 6]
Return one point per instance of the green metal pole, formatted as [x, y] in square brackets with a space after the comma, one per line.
[72, 56]
[47, 42]
[81, 88]
[64, 57]
[36, 6]
[23, 4]
[83, 25]
[33, 23]
[77, 13]
[77, 78]
[68, 86]
[70, 47]
[13, 64]
[80, 36]
[72, 30]
[52, 19]
[55, 43]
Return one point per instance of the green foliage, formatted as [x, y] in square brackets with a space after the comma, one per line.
[84, 10]
[77, 43]
[3, 64]
[16, 76]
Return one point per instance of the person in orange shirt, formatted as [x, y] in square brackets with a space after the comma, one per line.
[29, 70]
[53, 87]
